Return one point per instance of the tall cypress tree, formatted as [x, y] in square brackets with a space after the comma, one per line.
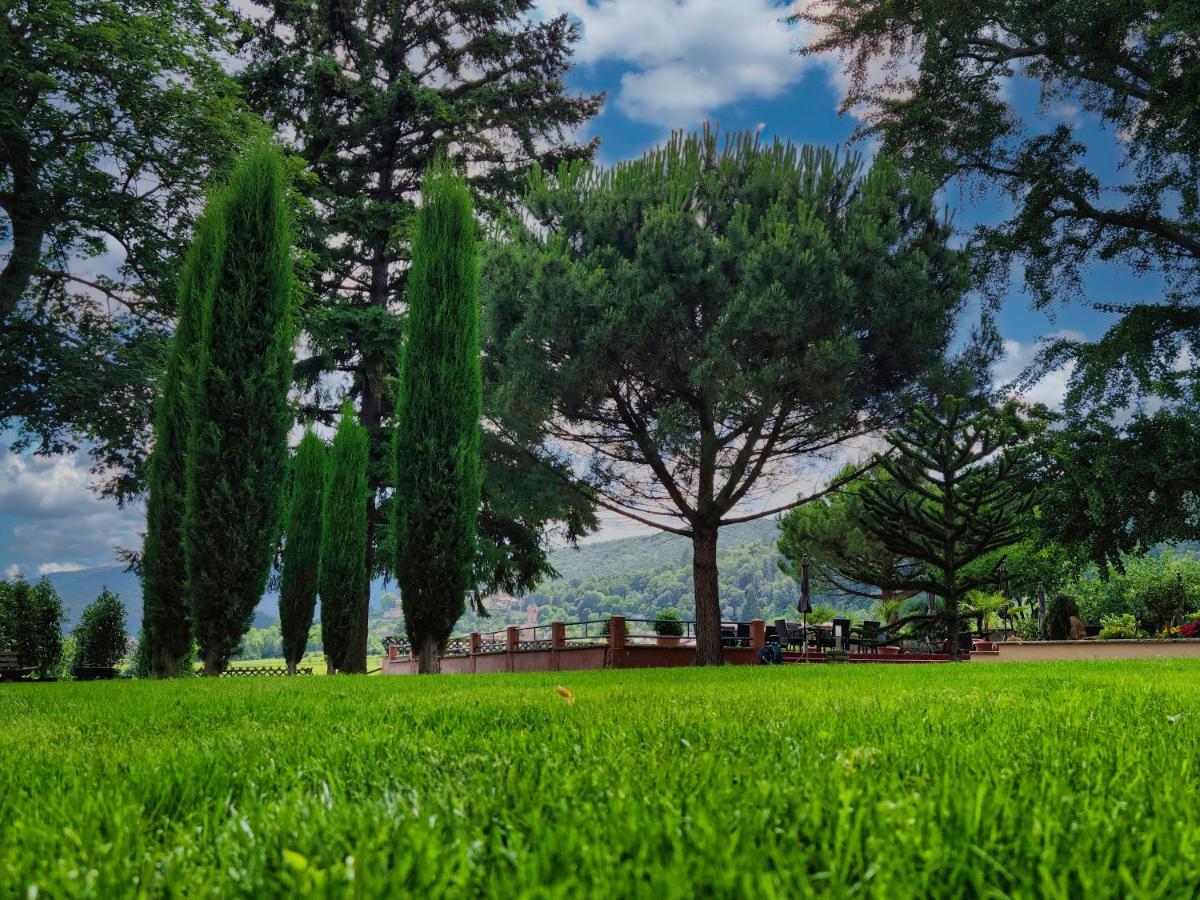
[302, 549]
[438, 472]
[956, 494]
[342, 578]
[239, 410]
[166, 606]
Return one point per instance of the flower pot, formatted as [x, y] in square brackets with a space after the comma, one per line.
[667, 640]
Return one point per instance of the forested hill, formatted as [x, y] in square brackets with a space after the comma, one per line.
[638, 576]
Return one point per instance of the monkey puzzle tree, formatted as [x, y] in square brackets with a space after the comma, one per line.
[691, 322]
[835, 533]
[343, 565]
[437, 466]
[239, 412]
[302, 548]
[957, 493]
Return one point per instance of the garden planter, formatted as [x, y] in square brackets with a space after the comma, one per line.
[667, 640]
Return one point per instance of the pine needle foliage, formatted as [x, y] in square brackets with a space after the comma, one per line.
[957, 493]
[302, 547]
[708, 317]
[166, 605]
[239, 410]
[438, 473]
[342, 576]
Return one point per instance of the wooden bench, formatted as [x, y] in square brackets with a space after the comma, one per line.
[10, 666]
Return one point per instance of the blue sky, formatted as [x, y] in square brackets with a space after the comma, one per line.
[663, 64]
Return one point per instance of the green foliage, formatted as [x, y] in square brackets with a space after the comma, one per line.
[1122, 627]
[833, 531]
[1119, 490]
[440, 403]
[1141, 578]
[237, 452]
[115, 114]
[302, 547]
[642, 742]
[954, 497]
[948, 112]
[393, 87]
[668, 623]
[710, 312]
[166, 604]
[342, 574]
[1059, 611]
[100, 637]
[31, 624]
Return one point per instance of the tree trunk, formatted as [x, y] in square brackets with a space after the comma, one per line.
[213, 664]
[429, 661]
[164, 667]
[27, 230]
[291, 668]
[708, 599]
[953, 627]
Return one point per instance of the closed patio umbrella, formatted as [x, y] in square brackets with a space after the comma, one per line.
[804, 607]
[1041, 604]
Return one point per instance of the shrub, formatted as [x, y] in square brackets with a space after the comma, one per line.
[100, 638]
[1119, 627]
[668, 623]
[31, 624]
[1058, 616]
[1164, 601]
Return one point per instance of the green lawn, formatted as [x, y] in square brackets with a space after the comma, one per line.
[1058, 780]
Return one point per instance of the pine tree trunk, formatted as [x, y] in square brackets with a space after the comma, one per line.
[708, 600]
[429, 661]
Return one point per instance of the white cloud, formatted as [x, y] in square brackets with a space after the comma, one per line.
[50, 520]
[1052, 388]
[12, 571]
[688, 58]
[51, 567]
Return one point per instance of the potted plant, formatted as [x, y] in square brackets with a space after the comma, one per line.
[669, 628]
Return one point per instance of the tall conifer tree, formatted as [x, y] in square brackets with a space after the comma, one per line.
[239, 409]
[302, 548]
[955, 495]
[343, 569]
[391, 86]
[167, 610]
[438, 470]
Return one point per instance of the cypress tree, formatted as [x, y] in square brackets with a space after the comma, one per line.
[166, 607]
[239, 409]
[342, 577]
[302, 548]
[437, 463]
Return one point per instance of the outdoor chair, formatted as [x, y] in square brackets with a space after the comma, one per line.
[788, 635]
[869, 637]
